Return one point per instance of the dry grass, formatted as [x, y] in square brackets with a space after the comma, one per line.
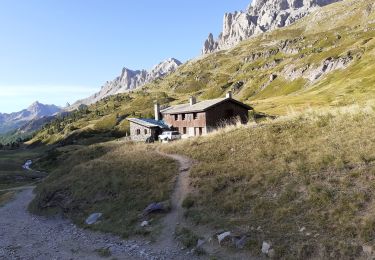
[118, 179]
[314, 170]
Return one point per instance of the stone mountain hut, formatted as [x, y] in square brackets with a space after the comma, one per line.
[191, 119]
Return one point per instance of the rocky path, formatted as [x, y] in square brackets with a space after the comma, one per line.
[181, 190]
[24, 236]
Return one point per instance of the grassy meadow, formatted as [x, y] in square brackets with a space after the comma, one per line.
[304, 183]
[118, 179]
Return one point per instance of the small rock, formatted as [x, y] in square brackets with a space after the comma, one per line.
[145, 223]
[27, 165]
[271, 253]
[156, 206]
[200, 243]
[367, 249]
[240, 243]
[302, 229]
[273, 77]
[266, 248]
[93, 218]
[223, 236]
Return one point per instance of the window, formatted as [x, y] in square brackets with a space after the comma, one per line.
[175, 117]
[184, 130]
[145, 131]
[183, 116]
[195, 116]
[138, 131]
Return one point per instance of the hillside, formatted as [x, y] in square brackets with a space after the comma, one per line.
[324, 60]
[303, 184]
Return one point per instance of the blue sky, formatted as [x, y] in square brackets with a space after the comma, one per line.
[58, 51]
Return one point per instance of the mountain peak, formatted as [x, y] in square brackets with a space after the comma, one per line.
[36, 110]
[261, 16]
[34, 104]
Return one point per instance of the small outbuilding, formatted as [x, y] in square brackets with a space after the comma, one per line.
[146, 130]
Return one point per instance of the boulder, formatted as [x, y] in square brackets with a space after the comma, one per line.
[240, 242]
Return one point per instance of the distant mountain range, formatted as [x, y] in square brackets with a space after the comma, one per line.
[130, 80]
[37, 114]
[36, 111]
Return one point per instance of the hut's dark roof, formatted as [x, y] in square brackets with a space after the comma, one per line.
[200, 106]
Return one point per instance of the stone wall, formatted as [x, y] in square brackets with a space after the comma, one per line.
[141, 133]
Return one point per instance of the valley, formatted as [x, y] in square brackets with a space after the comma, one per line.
[295, 182]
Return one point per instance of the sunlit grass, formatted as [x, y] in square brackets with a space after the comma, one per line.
[313, 169]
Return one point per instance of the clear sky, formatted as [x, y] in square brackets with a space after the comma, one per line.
[56, 51]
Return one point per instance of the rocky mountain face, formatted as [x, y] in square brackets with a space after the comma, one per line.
[261, 16]
[35, 111]
[129, 80]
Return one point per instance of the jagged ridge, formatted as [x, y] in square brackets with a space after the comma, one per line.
[129, 80]
[261, 16]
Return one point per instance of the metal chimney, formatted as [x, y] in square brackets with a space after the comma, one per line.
[193, 100]
[157, 111]
[229, 94]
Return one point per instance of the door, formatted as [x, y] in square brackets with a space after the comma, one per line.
[198, 131]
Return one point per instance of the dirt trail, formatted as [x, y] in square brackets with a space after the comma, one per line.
[19, 188]
[175, 217]
[25, 236]
[181, 190]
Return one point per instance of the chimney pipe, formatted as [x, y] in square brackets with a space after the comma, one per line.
[157, 111]
[193, 100]
[229, 94]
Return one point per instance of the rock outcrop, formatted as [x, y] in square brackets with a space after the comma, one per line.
[130, 80]
[261, 16]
